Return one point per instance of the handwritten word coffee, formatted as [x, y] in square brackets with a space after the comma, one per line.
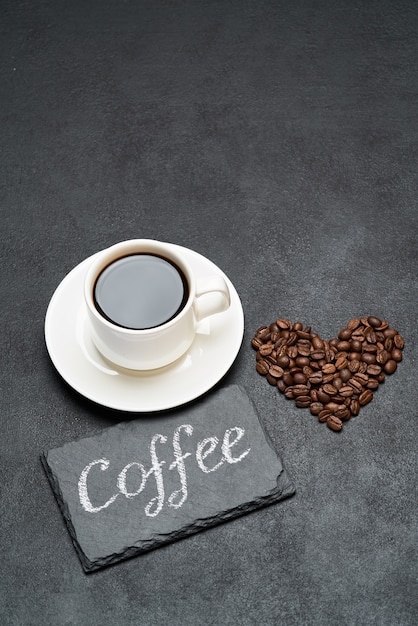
[209, 456]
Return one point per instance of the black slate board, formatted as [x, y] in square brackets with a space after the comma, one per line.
[143, 483]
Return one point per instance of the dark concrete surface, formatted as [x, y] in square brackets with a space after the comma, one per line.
[279, 139]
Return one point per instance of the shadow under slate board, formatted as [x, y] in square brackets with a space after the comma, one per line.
[149, 481]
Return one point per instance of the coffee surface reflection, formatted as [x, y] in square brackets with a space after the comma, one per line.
[140, 291]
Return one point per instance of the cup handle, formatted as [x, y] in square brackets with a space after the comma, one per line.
[212, 296]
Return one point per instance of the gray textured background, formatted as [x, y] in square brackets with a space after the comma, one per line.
[280, 140]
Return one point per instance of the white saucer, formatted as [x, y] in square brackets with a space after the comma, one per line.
[74, 355]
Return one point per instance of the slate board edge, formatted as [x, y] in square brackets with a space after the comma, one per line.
[284, 489]
[64, 511]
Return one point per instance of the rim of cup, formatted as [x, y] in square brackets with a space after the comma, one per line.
[129, 247]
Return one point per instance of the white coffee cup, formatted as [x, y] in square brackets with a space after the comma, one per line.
[155, 347]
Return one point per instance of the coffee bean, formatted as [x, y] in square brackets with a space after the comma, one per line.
[382, 356]
[299, 378]
[276, 371]
[262, 367]
[371, 336]
[300, 390]
[374, 321]
[283, 324]
[345, 334]
[388, 344]
[365, 397]
[316, 408]
[354, 407]
[304, 349]
[289, 393]
[330, 389]
[362, 367]
[353, 366]
[280, 345]
[341, 363]
[344, 346]
[362, 378]
[332, 406]
[343, 413]
[355, 385]
[399, 342]
[271, 379]
[323, 415]
[317, 343]
[256, 343]
[288, 378]
[266, 349]
[283, 361]
[329, 368]
[292, 352]
[303, 402]
[329, 355]
[353, 324]
[390, 366]
[356, 346]
[397, 354]
[345, 374]
[322, 396]
[292, 339]
[341, 353]
[302, 361]
[334, 423]
[346, 391]
[313, 393]
[317, 355]
[281, 385]
[271, 358]
[315, 378]
[374, 369]
[370, 347]
[263, 333]
[368, 357]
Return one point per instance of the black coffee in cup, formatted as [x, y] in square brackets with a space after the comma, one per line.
[140, 291]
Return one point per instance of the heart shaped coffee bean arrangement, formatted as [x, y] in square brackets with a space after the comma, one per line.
[335, 378]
